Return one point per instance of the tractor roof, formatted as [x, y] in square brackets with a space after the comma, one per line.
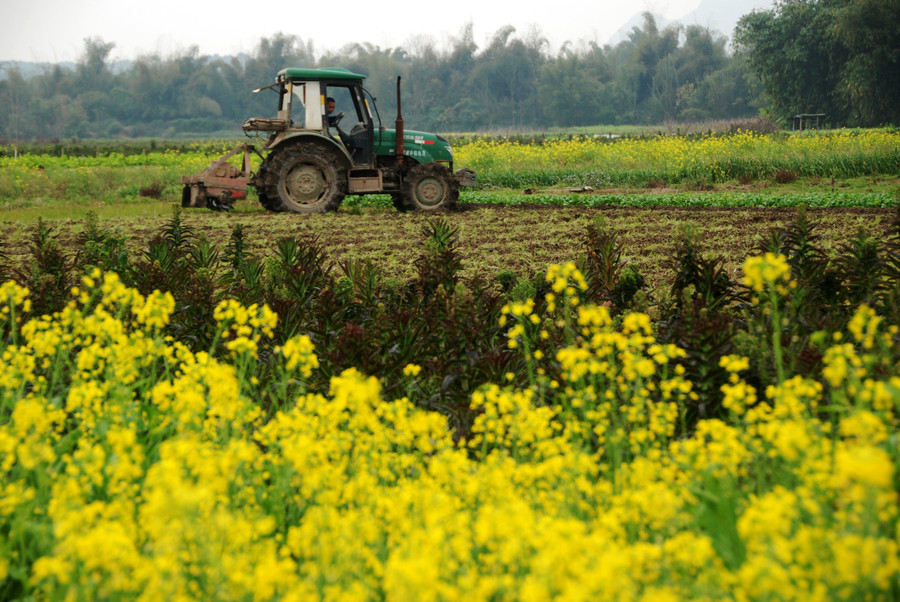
[328, 73]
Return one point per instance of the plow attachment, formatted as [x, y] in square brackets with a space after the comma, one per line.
[221, 184]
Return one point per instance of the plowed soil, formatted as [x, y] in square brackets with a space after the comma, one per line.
[493, 238]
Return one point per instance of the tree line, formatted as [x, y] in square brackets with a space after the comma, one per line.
[655, 75]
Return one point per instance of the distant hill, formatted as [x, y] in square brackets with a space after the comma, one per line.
[636, 21]
[723, 15]
[716, 15]
[28, 69]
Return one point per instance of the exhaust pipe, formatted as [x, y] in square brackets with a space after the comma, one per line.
[398, 127]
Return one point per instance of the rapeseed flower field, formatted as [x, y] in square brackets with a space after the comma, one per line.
[133, 467]
[654, 161]
[673, 159]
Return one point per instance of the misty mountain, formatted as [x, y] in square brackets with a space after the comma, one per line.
[716, 15]
[636, 22]
[28, 69]
[723, 15]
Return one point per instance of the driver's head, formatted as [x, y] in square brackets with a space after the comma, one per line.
[329, 105]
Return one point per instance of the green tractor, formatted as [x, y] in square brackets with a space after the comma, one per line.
[314, 157]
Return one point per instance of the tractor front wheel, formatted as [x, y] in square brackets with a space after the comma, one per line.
[430, 186]
[303, 178]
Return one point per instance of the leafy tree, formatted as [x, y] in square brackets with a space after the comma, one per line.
[870, 79]
[92, 70]
[14, 121]
[461, 108]
[666, 86]
[840, 58]
[796, 58]
[504, 78]
[574, 89]
[730, 91]
[643, 53]
[702, 53]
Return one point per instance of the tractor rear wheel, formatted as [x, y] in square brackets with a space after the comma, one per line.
[260, 183]
[430, 186]
[303, 178]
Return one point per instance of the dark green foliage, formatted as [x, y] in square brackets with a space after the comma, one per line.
[798, 62]
[828, 289]
[889, 299]
[611, 280]
[438, 266]
[630, 283]
[362, 282]
[603, 260]
[870, 79]
[163, 264]
[816, 301]
[507, 280]
[702, 316]
[819, 284]
[47, 273]
[236, 251]
[356, 318]
[457, 337]
[526, 289]
[861, 270]
[697, 276]
[100, 248]
[244, 278]
[298, 275]
[176, 261]
[798, 242]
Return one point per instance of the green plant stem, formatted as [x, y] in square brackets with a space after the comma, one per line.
[776, 335]
[215, 341]
[526, 350]
[14, 331]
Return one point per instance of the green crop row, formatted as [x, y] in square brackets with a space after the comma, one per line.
[670, 160]
[816, 199]
[820, 199]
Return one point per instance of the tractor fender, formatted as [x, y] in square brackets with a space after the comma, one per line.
[328, 141]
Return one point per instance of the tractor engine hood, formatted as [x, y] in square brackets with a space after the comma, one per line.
[424, 147]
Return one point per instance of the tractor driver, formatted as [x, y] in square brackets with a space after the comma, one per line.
[332, 120]
[329, 109]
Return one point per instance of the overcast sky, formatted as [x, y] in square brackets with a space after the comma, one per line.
[54, 30]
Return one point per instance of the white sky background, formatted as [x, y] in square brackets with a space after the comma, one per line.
[54, 30]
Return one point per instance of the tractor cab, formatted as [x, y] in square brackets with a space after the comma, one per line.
[347, 118]
[330, 103]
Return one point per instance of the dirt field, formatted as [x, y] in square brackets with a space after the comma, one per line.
[492, 238]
